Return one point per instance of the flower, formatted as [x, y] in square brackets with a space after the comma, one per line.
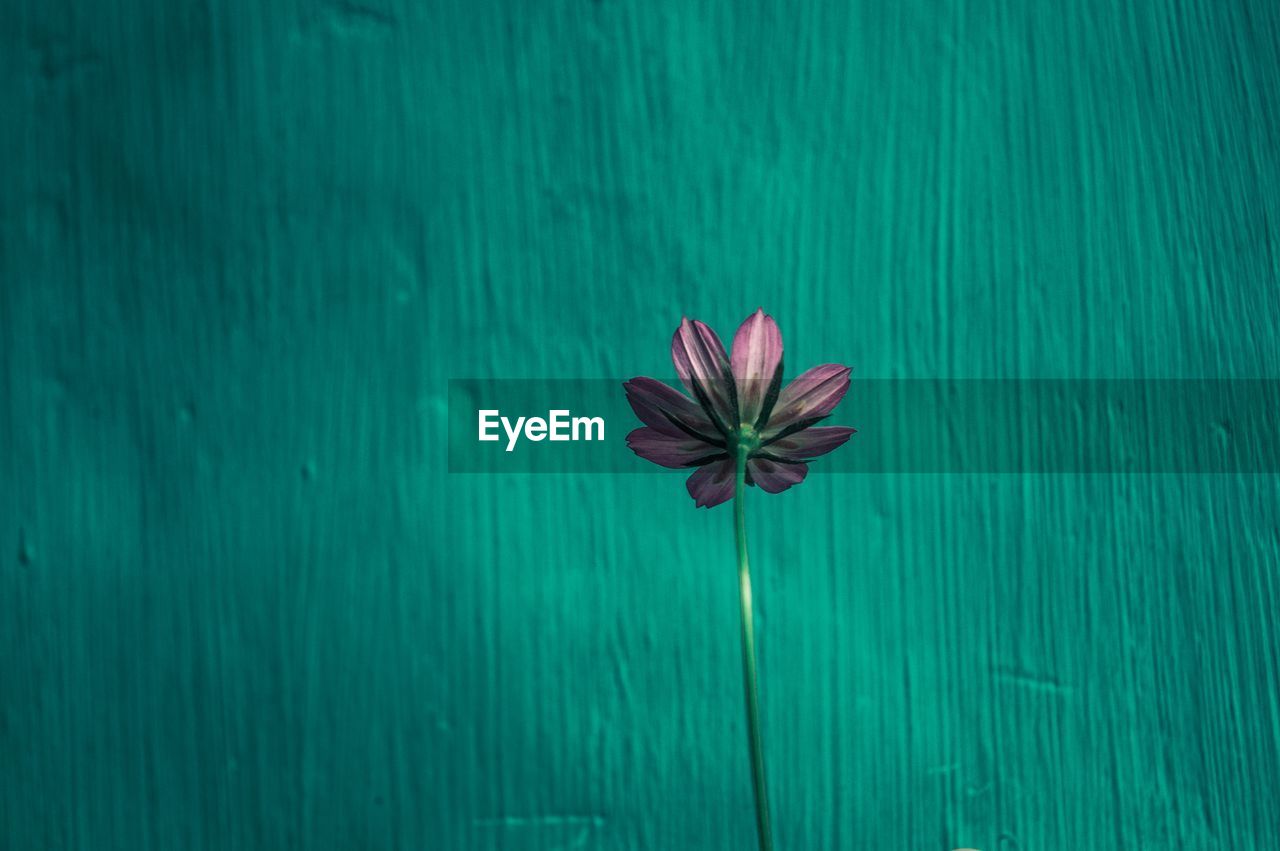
[737, 410]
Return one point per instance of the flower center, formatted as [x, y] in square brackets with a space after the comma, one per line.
[748, 438]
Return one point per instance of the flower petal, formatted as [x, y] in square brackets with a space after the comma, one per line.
[757, 364]
[668, 451]
[703, 366]
[809, 443]
[808, 398]
[776, 476]
[712, 484]
[668, 410]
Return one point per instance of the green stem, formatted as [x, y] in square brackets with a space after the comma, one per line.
[749, 657]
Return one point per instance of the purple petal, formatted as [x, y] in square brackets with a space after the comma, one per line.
[809, 443]
[712, 484]
[808, 398]
[756, 363]
[658, 405]
[703, 366]
[775, 476]
[684, 451]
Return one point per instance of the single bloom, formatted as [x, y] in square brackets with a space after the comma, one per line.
[738, 404]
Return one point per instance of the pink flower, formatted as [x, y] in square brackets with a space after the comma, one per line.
[739, 407]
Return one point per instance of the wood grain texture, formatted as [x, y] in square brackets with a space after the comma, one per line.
[244, 245]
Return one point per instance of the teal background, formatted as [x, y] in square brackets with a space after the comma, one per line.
[245, 245]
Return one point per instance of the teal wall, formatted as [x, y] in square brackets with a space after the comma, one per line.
[244, 245]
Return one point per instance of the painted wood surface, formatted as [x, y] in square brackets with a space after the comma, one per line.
[244, 245]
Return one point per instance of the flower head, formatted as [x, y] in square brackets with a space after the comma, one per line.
[739, 407]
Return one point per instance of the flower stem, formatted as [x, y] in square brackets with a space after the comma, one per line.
[749, 656]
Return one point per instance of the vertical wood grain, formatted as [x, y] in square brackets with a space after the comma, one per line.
[243, 246]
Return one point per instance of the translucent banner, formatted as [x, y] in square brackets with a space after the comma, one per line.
[905, 426]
